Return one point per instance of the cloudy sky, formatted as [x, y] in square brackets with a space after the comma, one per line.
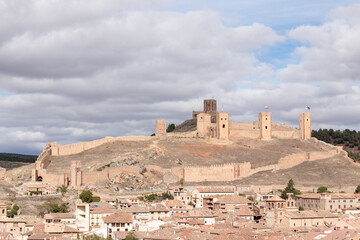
[78, 70]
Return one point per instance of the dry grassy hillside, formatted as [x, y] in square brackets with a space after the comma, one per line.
[175, 151]
[171, 152]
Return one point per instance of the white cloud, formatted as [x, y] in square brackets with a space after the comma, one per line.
[111, 68]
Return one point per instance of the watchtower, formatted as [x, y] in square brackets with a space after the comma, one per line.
[75, 174]
[203, 124]
[265, 125]
[305, 125]
[160, 127]
[222, 125]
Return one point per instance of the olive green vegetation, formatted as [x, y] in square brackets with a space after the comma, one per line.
[13, 157]
[170, 128]
[323, 189]
[12, 212]
[350, 139]
[156, 197]
[357, 190]
[290, 189]
[131, 236]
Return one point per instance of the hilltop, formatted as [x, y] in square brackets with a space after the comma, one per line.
[207, 149]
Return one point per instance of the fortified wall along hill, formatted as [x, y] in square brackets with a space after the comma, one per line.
[215, 149]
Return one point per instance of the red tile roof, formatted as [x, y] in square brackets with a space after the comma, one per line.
[118, 218]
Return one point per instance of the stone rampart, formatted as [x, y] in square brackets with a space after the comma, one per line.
[234, 171]
[59, 150]
[91, 178]
[209, 173]
[285, 134]
[321, 155]
[221, 172]
[182, 134]
[292, 160]
[55, 179]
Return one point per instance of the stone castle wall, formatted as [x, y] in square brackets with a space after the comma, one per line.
[252, 130]
[59, 150]
[231, 172]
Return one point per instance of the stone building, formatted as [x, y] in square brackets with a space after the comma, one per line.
[327, 201]
[160, 127]
[118, 222]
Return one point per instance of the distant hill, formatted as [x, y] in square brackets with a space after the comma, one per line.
[349, 139]
[14, 157]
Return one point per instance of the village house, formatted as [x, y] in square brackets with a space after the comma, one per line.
[226, 203]
[139, 213]
[198, 194]
[158, 211]
[38, 188]
[182, 194]
[174, 206]
[90, 215]
[68, 218]
[118, 222]
[15, 226]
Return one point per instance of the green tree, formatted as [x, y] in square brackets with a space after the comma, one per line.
[170, 128]
[289, 189]
[86, 196]
[322, 189]
[14, 211]
[357, 190]
[131, 236]
[251, 198]
[167, 195]
[62, 208]
[63, 189]
[301, 208]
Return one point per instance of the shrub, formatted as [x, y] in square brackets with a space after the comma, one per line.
[86, 196]
[96, 199]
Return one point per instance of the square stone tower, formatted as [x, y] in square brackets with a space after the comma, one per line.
[305, 125]
[209, 105]
[75, 174]
[203, 124]
[265, 125]
[222, 125]
[160, 127]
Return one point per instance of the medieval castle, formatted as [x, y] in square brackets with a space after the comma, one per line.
[210, 124]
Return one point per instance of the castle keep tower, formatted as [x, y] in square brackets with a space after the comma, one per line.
[209, 105]
[160, 127]
[265, 125]
[222, 125]
[305, 125]
[203, 124]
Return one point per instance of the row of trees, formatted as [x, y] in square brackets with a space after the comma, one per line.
[157, 197]
[348, 138]
[290, 188]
